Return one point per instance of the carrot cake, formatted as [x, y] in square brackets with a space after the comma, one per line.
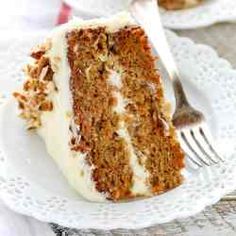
[178, 4]
[94, 95]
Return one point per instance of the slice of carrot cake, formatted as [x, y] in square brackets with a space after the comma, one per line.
[95, 96]
[178, 4]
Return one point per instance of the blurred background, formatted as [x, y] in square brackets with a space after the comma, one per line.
[28, 15]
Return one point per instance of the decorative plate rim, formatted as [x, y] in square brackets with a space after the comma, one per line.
[200, 16]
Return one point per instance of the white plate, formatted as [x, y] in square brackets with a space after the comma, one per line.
[207, 13]
[31, 184]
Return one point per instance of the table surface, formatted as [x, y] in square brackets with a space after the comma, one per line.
[217, 220]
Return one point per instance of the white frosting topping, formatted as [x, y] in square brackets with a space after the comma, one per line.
[112, 24]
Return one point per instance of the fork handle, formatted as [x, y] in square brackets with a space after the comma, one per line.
[147, 14]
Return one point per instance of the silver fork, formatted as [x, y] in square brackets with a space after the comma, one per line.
[192, 129]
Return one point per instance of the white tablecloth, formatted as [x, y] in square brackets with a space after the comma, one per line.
[13, 224]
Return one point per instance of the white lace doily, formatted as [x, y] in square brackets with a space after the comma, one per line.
[208, 13]
[31, 184]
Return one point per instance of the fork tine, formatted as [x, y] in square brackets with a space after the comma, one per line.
[191, 158]
[207, 136]
[183, 135]
[200, 145]
[194, 162]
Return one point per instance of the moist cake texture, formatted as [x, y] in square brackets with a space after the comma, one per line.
[178, 4]
[95, 96]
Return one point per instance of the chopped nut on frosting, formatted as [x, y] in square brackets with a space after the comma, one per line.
[33, 99]
[39, 50]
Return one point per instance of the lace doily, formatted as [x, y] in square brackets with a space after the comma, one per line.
[31, 184]
[208, 13]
